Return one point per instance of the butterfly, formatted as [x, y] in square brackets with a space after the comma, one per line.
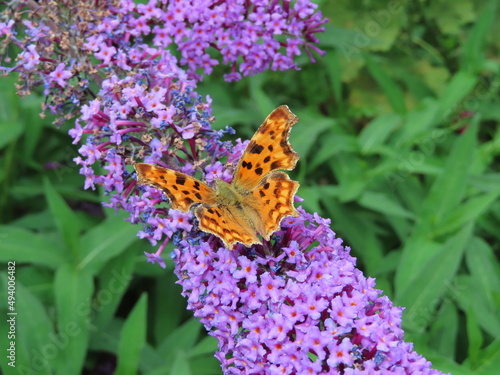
[256, 200]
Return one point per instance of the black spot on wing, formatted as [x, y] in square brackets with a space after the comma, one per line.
[247, 165]
[275, 164]
[255, 148]
[258, 171]
[267, 159]
[180, 179]
[212, 211]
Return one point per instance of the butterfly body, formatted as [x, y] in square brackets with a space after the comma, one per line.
[256, 200]
[227, 194]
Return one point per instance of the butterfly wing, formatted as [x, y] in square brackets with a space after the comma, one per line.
[229, 226]
[274, 201]
[182, 190]
[268, 150]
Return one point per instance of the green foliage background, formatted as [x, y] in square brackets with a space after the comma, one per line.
[399, 143]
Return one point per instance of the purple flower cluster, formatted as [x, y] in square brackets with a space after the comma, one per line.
[108, 37]
[288, 307]
[250, 36]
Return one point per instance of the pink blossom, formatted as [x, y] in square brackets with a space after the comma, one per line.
[30, 57]
[60, 75]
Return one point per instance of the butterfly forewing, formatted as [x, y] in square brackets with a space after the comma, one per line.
[182, 190]
[268, 150]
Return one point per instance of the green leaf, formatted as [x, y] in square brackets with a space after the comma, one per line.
[315, 194]
[447, 365]
[11, 121]
[469, 294]
[412, 192]
[183, 338]
[170, 306]
[349, 170]
[73, 292]
[180, 365]
[23, 246]
[444, 331]
[332, 64]
[207, 345]
[487, 182]
[347, 40]
[106, 240]
[375, 133]
[387, 84]
[418, 123]
[474, 47]
[384, 204]
[448, 190]
[9, 132]
[330, 144]
[482, 293]
[456, 90]
[466, 212]
[260, 96]
[484, 270]
[133, 339]
[490, 359]
[430, 282]
[474, 336]
[113, 280]
[179, 343]
[41, 220]
[450, 16]
[66, 220]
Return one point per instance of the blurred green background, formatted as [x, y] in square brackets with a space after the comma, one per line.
[399, 143]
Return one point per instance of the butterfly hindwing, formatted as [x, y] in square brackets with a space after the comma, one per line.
[182, 190]
[229, 228]
[268, 150]
[275, 201]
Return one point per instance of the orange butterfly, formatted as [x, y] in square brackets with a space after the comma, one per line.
[259, 196]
